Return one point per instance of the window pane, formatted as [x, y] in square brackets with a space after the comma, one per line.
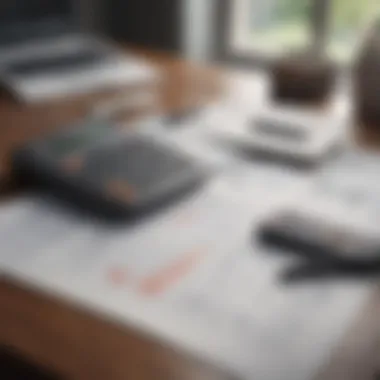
[348, 21]
[279, 25]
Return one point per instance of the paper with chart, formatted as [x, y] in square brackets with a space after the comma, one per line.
[193, 276]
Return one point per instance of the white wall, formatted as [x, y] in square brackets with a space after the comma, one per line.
[198, 20]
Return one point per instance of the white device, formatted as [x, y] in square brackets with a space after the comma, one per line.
[300, 135]
[44, 55]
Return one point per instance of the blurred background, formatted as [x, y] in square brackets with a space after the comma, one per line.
[216, 82]
[246, 28]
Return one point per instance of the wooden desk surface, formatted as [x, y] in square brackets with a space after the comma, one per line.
[80, 346]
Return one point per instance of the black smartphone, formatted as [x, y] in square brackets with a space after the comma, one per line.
[321, 239]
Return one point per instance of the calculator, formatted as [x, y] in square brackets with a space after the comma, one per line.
[99, 168]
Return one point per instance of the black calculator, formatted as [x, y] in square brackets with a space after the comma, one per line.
[104, 170]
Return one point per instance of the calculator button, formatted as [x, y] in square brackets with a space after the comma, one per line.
[73, 164]
[121, 190]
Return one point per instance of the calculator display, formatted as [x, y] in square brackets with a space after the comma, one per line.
[76, 140]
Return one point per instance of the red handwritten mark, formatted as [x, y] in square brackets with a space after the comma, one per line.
[160, 281]
[118, 276]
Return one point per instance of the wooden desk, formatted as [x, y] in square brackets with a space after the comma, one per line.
[80, 346]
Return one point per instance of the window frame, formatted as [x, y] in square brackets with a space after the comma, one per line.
[228, 13]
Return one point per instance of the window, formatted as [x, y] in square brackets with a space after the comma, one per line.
[269, 28]
[347, 21]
